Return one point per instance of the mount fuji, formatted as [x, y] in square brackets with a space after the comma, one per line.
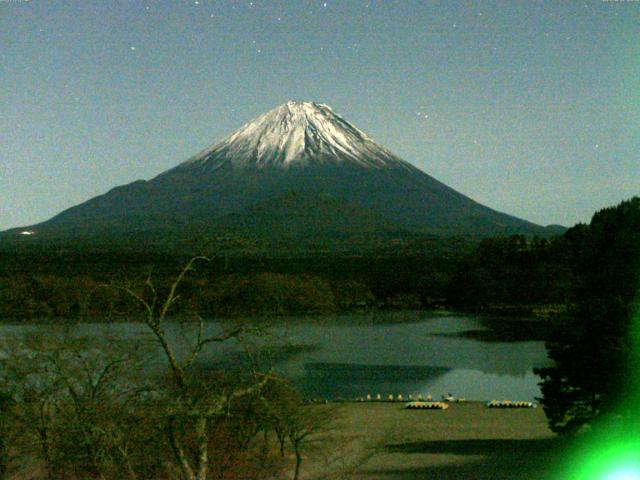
[299, 170]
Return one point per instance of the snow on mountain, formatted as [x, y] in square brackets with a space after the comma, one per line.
[298, 170]
[293, 135]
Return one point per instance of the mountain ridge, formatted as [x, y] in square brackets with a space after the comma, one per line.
[299, 147]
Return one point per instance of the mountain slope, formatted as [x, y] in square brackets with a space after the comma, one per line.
[241, 185]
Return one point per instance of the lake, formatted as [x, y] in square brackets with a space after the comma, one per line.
[349, 356]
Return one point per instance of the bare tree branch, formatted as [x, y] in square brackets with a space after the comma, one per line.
[171, 298]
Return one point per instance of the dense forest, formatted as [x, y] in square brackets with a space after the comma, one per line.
[66, 281]
[498, 272]
[507, 275]
[514, 275]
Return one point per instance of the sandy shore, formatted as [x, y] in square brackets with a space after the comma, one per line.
[385, 441]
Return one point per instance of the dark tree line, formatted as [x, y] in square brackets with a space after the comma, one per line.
[500, 272]
[512, 272]
[593, 352]
[276, 289]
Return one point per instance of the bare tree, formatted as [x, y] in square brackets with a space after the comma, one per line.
[79, 410]
[302, 424]
[293, 420]
[69, 397]
[193, 406]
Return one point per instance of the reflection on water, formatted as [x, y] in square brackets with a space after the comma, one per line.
[421, 355]
[348, 380]
[352, 355]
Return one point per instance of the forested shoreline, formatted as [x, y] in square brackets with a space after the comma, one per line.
[383, 283]
[503, 276]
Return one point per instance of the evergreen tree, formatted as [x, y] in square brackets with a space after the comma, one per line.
[592, 353]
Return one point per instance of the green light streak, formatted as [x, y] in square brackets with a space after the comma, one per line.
[612, 462]
[624, 473]
[603, 457]
[612, 451]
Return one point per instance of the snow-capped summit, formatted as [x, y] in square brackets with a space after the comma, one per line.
[300, 171]
[296, 134]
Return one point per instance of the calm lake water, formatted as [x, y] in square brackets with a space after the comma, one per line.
[350, 356]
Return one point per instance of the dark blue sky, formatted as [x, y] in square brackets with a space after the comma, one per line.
[530, 107]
